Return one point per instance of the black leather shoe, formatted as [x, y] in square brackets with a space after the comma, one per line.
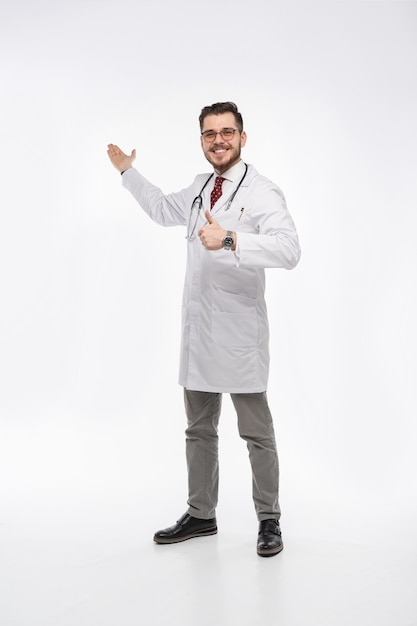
[269, 538]
[187, 527]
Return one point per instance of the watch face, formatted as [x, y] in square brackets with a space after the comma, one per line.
[227, 242]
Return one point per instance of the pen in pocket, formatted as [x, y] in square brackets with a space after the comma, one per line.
[241, 213]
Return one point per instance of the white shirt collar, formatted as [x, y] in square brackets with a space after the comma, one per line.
[235, 172]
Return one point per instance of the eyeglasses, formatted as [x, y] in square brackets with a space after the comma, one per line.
[225, 133]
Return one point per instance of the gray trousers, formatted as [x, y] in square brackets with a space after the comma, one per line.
[255, 427]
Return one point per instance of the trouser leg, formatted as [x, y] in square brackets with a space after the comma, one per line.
[203, 412]
[256, 428]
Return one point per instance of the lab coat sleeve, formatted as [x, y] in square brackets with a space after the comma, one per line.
[166, 210]
[272, 240]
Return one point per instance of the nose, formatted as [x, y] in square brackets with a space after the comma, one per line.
[218, 134]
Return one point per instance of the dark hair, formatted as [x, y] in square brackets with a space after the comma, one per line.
[221, 107]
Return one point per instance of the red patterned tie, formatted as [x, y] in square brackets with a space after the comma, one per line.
[216, 192]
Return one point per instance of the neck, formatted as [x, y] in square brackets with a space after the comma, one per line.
[229, 167]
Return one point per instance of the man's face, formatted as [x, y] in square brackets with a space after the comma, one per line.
[222, 153]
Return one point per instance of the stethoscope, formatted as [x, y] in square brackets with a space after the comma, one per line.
[197, 204]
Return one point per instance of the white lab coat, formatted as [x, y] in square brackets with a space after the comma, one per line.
[225, 334]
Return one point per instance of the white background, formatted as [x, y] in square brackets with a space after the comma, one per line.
[91, 415]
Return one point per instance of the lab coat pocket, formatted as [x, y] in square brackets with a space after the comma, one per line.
[234, 321]
[234, 330]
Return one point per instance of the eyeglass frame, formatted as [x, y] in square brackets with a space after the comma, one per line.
[220, 132]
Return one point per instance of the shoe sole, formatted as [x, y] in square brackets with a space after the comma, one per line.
[271, 552]
[198, 533]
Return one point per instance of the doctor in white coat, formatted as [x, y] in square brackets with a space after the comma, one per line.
[237, 225]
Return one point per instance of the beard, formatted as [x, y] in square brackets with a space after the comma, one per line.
[225, 160]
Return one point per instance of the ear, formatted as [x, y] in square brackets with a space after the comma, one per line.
[243, 137]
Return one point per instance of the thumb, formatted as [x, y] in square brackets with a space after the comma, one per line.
[209, 217]
[133, 155]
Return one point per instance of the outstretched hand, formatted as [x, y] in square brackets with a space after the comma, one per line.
[212, 234]
[120, 160]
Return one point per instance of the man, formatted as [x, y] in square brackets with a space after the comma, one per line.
[237, 225]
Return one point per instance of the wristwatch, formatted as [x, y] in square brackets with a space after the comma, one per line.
[228, 240]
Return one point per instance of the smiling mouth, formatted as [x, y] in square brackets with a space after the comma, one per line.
[219, 150]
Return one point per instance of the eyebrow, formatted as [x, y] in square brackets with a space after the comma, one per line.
[211, 130]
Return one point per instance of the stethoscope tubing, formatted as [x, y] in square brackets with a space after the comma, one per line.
[198, 200]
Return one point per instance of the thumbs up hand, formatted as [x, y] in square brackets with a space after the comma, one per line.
[212, 234]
